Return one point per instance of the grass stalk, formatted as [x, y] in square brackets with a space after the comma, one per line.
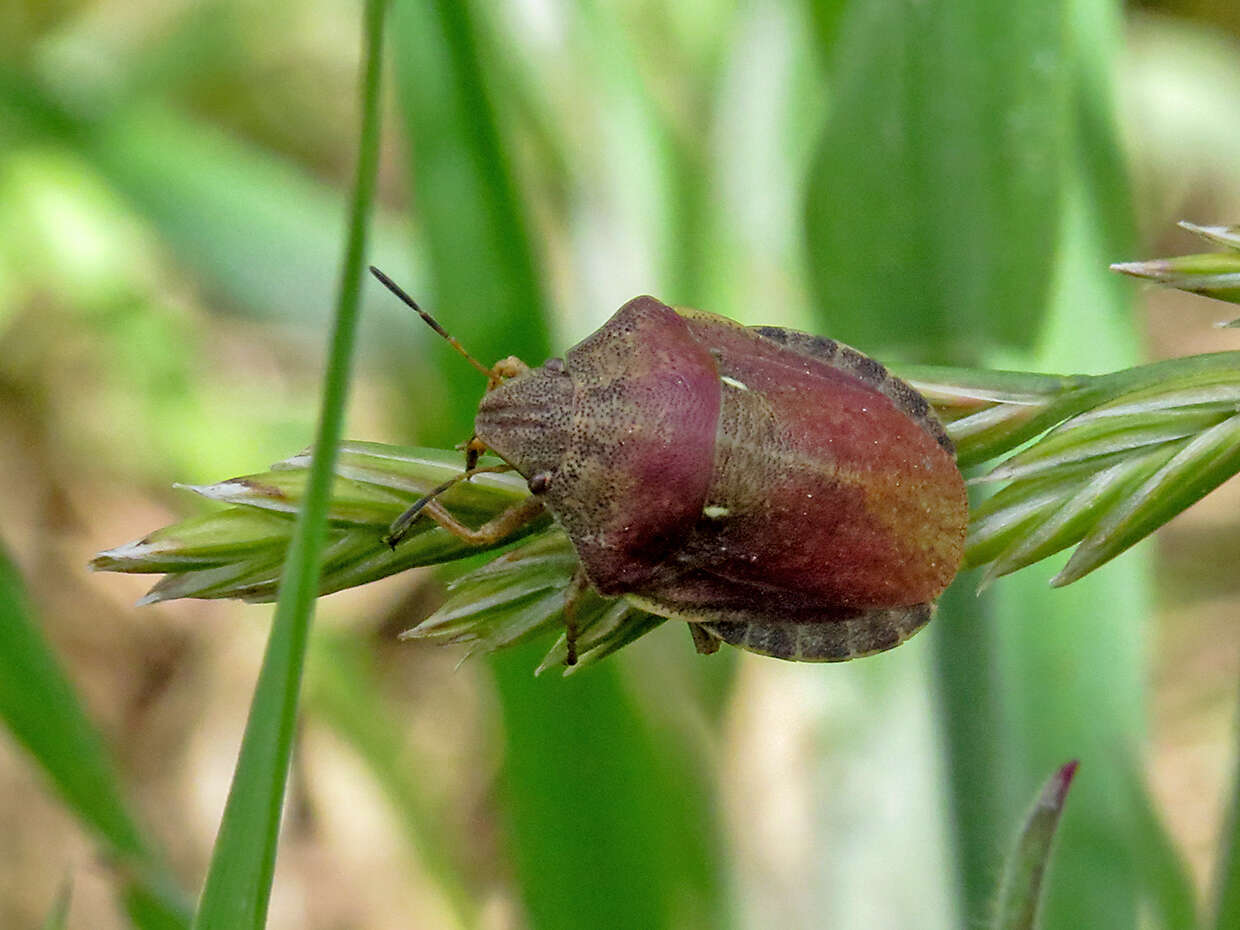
[1227, 879]
[238, 884]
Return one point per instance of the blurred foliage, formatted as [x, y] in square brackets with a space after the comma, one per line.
[44, 714]
[939, 184]
[60, 910]
[961, 120]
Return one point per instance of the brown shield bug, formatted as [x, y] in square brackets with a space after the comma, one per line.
[778, 491]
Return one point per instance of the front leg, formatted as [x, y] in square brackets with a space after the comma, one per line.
[494, 530]
[400, 526]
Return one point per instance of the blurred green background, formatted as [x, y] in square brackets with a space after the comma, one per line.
[935, 181]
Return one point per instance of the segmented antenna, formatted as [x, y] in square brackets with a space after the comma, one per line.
[400, 526]
[432, 323]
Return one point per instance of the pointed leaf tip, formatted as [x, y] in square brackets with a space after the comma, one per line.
[1057, 788]
[1211, 274]
[1020, 890]
[1150, 269]
[128, 553]
[1223, 235]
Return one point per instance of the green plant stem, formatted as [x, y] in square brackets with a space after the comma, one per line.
[238, 884]
[970, 695]
[1227, 881]
[44, 715]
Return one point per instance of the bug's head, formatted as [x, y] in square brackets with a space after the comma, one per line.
[527, 419]
[523, 417]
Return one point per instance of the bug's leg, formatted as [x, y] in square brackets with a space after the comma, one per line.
[703, 642]
[400, 526]
[572, 597]
[495, 529]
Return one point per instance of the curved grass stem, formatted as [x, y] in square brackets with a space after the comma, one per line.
[238, 884]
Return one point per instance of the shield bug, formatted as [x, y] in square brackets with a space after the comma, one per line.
[778, 491]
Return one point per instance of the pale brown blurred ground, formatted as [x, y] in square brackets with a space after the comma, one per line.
[1196, 656]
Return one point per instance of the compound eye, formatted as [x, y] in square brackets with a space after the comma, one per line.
[539, 482]
[554, 365]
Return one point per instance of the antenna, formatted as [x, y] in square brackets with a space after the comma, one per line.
[432, 322]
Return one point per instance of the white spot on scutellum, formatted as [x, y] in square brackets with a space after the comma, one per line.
[732, 382]
[715, 511]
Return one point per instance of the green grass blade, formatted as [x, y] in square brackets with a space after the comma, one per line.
[155, 909]
[825, 15]
[938, 210]
[238, 884]
[971, 694]
[42, 711]
[218, 209]
[609, 822]
[1020, 889]
[483, 282]
[44, 715]
[1226, 889]
[233, 202]
[672, 185]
